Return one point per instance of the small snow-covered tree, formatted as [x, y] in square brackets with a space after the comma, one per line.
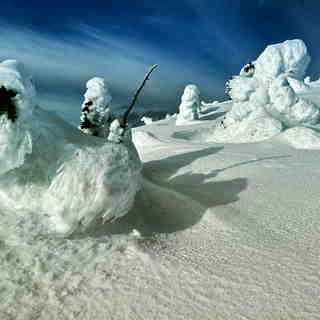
[190, 104]
[146, 120]
[95, 110]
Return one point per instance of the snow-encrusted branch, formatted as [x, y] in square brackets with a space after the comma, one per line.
[124, 119]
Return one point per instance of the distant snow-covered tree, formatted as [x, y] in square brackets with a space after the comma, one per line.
[146, 120]
[95, 111]
[190, 104]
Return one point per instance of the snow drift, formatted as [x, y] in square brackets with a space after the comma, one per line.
[49, 168]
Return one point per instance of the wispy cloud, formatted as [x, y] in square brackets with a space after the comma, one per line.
[61, 66]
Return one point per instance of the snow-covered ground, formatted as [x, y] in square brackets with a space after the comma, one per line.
[218, 231]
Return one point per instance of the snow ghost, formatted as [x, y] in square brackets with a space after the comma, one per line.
[53, 174]
[190, 104]
[264, 100]
[95, 110]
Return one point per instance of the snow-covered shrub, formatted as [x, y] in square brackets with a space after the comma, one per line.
[146, 120]
[116, 132]
[190, 104]
[67, 181]
[95, 110]
[264, 100]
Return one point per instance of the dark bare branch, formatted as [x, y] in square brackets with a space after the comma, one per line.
[124, 119]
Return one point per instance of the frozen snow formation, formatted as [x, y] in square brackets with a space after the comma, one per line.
[95, 110]
[169, 116]
[190, 105]
[264, 98]
[62, 178]
[146, 120]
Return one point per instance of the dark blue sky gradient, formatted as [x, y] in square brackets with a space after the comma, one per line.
[64, 43]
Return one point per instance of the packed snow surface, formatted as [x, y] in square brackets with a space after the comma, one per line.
[217, 232]
[55, 174]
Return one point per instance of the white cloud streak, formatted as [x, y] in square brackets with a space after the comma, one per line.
[58, 64]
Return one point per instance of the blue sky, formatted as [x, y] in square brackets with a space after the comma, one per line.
[64, 43]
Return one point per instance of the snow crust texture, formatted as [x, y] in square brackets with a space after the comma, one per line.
[51, 169]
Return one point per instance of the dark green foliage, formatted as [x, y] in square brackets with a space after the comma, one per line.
[7, 106]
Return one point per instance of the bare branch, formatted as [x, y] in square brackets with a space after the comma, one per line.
[124, 119]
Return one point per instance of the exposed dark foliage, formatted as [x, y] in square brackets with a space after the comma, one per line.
[7, 106]
[85, 123]
[249, 67]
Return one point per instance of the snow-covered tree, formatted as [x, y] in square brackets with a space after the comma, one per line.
[66, 180]
[264, 98]
[190, 104]
[95, 115]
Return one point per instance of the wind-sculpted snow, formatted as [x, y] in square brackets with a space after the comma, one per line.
[265, 96]
[50, 168]
[289, 57]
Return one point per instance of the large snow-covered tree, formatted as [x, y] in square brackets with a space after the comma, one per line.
[66, 180]
[264, 100]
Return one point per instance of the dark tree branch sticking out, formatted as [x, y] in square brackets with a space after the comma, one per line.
[124, 120]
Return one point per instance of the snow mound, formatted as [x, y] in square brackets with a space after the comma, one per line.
[258, 126]
[67, 179]
[301, 138]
